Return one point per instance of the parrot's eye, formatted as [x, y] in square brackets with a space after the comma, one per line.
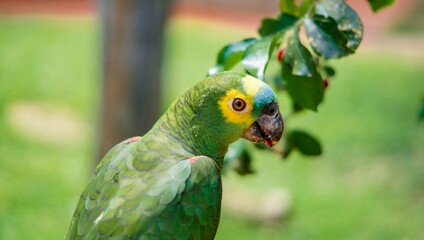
[239, 104]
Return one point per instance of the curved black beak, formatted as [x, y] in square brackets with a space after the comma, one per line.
[268, 128]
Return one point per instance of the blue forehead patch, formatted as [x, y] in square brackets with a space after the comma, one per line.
[264, 97]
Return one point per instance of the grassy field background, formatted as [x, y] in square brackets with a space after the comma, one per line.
[369, 184]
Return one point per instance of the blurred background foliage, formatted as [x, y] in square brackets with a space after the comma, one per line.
[368, 184]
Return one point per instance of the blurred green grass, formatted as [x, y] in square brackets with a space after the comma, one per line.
[369, 184]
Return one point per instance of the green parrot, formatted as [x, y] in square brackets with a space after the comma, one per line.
[167, 183]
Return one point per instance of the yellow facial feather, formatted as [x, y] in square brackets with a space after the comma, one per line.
[252, 85]
[243, 117]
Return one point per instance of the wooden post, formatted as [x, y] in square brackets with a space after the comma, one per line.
[132, 58]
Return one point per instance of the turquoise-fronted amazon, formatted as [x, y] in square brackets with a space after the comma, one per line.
[167, 183]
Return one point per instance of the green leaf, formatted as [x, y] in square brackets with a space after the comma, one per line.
[325, 38]
[261, 146]
[307, 92]
[297, 108]
[298, 57]
[302, 81]
[278, 82]
[243, 166]
[376, 5]
[238, 158]
[257, 55]
[271, 26]
[421, 112]
[334, 30]
[230, 55]
[288, 6]
[349, 22]
[329, 71]
[287, 150]
[304, 6]
[304, 142]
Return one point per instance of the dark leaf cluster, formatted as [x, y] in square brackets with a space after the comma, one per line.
[301, 38]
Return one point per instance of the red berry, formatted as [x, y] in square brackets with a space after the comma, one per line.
[280, 55]
[325, 83]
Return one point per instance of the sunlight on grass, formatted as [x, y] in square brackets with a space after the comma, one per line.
[367, 185]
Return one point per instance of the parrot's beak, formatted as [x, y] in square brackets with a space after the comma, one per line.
[268, 128]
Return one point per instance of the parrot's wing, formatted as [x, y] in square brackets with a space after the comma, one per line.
[195, 213]
[200, 206]
[121, 201]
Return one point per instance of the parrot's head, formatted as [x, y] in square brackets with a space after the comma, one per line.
[236, 105]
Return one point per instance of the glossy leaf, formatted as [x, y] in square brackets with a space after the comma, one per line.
[347, 19]
[230, 55]
[334, 30]
[325, 38]
[304, 142]
[298, 57]
[379, 4]
[305, 91]
[271, 26]
[288, 6]
[256, 57]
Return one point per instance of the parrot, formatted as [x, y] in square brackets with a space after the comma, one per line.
[166, 184]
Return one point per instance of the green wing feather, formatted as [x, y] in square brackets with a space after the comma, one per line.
[139, 193]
